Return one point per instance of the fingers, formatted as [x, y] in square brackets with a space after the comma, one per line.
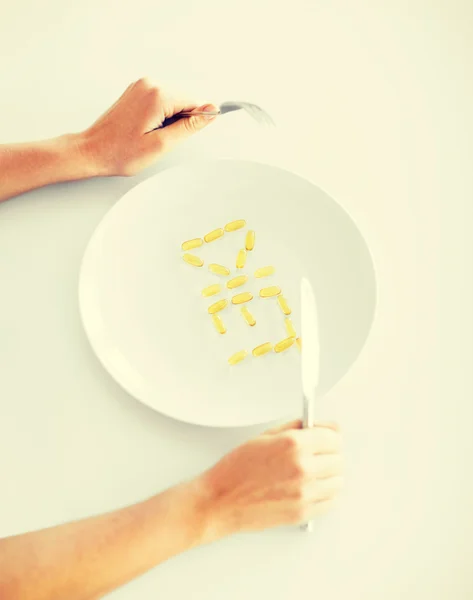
[297, 424]
[322, 466]
[168, 103]
[321, 439]
[318, 508]
[323, 489]
[169, 136]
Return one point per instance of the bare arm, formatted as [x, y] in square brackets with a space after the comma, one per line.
[31, 165]
[121, 142]
[283, 477]
[86, 559]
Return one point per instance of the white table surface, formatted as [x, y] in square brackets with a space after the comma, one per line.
[374, 104]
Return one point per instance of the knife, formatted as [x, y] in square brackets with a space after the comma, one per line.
[310, 363]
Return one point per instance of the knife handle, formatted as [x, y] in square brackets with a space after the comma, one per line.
[308, 417]
[308, 420]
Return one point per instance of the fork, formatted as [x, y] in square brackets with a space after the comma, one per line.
[255, 111]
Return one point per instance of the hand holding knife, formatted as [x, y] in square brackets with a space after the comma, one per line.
[310, 363]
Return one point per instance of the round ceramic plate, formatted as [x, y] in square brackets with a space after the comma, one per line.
[147, 321]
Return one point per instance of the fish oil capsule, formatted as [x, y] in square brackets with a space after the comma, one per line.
[250, 240]
[235, 225]
[217, 307]
[291, 331]
[284, 344]
[218, 323]
[264, 272]
[269, 292]
[211, 290]
[284, 305]
[262, 349]
[237, 281]
[242, 298]
[249, 318]
[237, 357]
[299, 343]
[195, 261]
[213, 235]
[191, 244]
[219, 269]
[241, 259]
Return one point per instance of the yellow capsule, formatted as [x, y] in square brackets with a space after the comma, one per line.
[237, 281]
[241, 259]
[250, 240]
[264, 272]
[269, 292]
[195, 261]
[249, 318]
[262, 349]
[237, 357]
[284, 305]
[284, 344]
[291, 331]
[191, 244]
[213, 235]
[242, 298]
[219, 326]
[299, 343]
[217, 306]
[211, 290]
[235, 225]
[219, 269]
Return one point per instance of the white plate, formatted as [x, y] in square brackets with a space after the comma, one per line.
[148, 324]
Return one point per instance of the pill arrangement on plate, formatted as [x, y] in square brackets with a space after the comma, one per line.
[241, 298]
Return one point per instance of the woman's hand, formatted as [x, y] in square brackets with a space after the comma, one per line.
[286, 476]
[121, 142]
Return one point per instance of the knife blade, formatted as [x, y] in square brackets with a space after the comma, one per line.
[310, 357]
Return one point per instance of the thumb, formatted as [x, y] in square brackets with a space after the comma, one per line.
[185, 127]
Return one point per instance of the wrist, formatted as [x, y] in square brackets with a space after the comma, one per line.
[79, 146]
[197, 505]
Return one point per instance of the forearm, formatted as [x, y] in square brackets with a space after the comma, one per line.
[87, 559]
[30, 165]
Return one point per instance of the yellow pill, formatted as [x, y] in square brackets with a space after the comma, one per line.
[269, 292]
[263, 349]
[211, 290]
[219, 326]
[190, 244]
[241, 259]
[237, 357]
[217, 306]
[299, 343]
[235, 225]
[195, 261]
[219, 269]
[213, 235]
[250, 240]
[242, 298]
[291, 331]
[237, 281]
[264, 272]
[249, 318]
[284, 305]
[284, 344]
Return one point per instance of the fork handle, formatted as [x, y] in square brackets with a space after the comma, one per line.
[226, 108]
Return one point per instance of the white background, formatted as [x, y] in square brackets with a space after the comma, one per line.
[374, 104]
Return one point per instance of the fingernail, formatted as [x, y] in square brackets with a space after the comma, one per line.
[211, 109]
